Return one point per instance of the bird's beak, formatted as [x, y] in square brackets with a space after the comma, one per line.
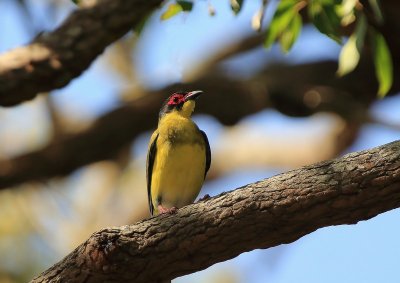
[193, 95]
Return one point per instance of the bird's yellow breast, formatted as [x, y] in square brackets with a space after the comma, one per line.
[179, 165]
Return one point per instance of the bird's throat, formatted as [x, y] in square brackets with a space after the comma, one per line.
[187, 108]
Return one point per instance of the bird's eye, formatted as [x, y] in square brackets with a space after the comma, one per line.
[175, 100]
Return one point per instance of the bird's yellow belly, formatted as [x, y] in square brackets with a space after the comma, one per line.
[178, 174]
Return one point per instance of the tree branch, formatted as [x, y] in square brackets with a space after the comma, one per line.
[264, 214]
[107, 135]
[53, 59]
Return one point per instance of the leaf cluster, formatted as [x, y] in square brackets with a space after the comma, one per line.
[330, 17]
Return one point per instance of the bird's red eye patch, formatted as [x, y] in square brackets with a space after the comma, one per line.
[176, 99]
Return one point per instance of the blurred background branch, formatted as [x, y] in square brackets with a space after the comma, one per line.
[53, 59]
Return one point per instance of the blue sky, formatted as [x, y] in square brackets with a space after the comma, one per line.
[366, 252]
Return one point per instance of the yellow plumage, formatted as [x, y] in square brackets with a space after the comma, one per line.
[177, 161]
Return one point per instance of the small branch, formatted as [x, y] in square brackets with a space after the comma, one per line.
[275, 211]
[53, 59]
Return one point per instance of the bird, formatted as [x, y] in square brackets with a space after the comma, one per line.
[178, 157]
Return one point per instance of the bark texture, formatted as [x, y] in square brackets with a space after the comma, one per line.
[53, 59]
[264, 214]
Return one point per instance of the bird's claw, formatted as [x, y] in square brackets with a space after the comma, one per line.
[164, 210]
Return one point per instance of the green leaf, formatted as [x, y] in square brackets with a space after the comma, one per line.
[284, 14]
[347, 6]
[258, 17]
[350, 53]
[172, 10]
[187, 6]
[346, 12]
[376, 8]
[361, 30]
[236, 6]
[324, 15]
[211, 9]
[139, 27]
[290, 35]
[349, 56]
[175, 8]
[256, 20]
[383, 62]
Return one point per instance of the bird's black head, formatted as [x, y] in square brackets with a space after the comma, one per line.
[181, 101]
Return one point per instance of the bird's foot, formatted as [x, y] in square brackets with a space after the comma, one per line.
[205, 197]
[164, 210]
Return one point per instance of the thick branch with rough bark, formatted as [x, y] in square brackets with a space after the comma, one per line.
[264, 214]
[53, 59]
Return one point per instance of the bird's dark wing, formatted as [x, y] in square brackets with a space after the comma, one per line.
[151, 155]
[208, 153]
